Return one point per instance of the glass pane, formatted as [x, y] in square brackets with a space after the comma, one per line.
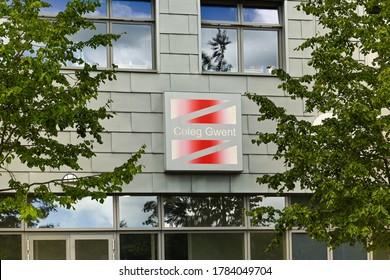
[49, 249]
[91, 56]
[10, 247]
[87, 214]
[100, 11]
[176, 246]
[219, 50]
[260, 51]
[348, 252]
[382, 254]
[134, 49]
[132, 8]
[138, 246]
[264, 201]
[56, 7]
[202, 211]
[9, 219]
[303, 199]
[60, 5]
[305, 248]
[259, 245]
[219, 13]
[138, 211]
[258, 15]
[204, 246]
[91, 249]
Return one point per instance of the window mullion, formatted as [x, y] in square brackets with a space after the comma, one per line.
[240, 10]
[109, 48]
[240, 49]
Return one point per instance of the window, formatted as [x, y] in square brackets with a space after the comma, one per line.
[87, 213]
[9, 219]
[381, 254]
[10, 247]
[138, 211]
[87, 249]
[305, 248]
[49, 249]
[240, 37]
[259, 247]
[91, 56]
[204, 211]
[133, 19]
[138, 246]
[204, 246]
[348, 252]
[278, 203]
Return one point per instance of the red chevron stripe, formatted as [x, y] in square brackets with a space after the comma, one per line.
[181, 107]
[225, 116]
[227, 156]
[182, 148]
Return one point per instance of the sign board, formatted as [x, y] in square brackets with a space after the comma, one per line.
[203, 132]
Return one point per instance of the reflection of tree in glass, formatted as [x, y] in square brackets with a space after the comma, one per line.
[137, 246]
[217, 61]
[44, 210]
[151, 206]
[265, 215]
[203, 211]
[122, 224]
[9, 219]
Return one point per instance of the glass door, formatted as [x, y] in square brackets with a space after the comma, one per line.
[70, 247]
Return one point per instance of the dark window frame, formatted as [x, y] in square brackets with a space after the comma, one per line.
[240, 26]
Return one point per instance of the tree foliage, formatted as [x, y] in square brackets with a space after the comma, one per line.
[344, 161]
[38, 100]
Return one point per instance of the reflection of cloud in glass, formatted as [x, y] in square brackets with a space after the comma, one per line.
[260, 49]
[96, 56]
[131, 9]
[60, 5]
[231, 49]
[133, 49]
[91, 56]
[56, 7]
[87, 214]
[261, 15]
[275, 201]
[94, 214]
[265, 201]
[131, 210]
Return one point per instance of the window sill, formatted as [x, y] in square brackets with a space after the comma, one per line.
[117, 70]
[255, 74]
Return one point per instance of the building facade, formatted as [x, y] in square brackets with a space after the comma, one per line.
[183, 69]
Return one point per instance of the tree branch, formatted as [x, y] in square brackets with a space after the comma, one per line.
[56, 181]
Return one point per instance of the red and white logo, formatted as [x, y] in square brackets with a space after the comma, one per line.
[203, 133]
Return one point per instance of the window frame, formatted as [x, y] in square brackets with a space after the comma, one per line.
[240, 26]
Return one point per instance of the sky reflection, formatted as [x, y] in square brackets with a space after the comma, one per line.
[87, 214]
